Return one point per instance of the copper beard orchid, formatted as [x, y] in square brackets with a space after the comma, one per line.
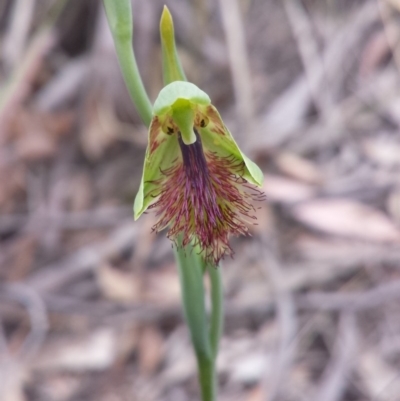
[195, 176]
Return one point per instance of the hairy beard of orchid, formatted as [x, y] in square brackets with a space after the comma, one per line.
[205, 198]
[195, 177]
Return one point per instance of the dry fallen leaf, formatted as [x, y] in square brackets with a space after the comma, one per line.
[251, 368]
[118, 285]
[347, 218]
[335, 250]
[384, 151]
[394, 3]
[37, 135]
[101, 127]
[128, 339]
[298, 168]
[80, 192]
[162, 286]
[379, 378]
[285, 190]
[12, 380]
[61, 387]
[256, 394]
[96, 352]
[151, 350]
[374, 54]
[35, 146]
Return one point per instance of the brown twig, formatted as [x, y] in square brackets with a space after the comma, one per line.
[235, 37]
[359, 301]
[52, 277]
[335, 377]
[286, 314]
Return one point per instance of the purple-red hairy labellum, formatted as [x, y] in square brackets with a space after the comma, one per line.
[204, 197]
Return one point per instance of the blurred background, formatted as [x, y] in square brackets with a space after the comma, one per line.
[89, 300]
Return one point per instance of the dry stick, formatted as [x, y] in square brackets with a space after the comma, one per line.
[286, 312]
[356, 302]
[37, 315]
[101, 217]
[295, 100]
[17, 34]
[335, 376]
[366, 95]
[53, 276]
[54, 203]
[391, 31]
[363, 97]
[379, 378]
[148, 312]
[64, 85]
[234, 32]
[11, 363]
[88, 258]
[19, 85]
[359, 301]
[146, 25]
[37, 311]
[312, 62]
[96, 218]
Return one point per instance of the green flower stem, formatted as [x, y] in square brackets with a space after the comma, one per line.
[217, 307]
[207, 378]
[119, 15]
[190, 267]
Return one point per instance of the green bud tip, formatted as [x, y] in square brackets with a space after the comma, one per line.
[167, 28]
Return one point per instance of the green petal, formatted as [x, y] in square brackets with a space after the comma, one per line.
[161, 154]
[217, 138]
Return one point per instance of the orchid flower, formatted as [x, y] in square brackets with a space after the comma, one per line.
[195, 176]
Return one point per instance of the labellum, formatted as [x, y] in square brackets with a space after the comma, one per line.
[195, 177]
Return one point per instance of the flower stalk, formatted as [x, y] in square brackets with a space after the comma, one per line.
[119, 16]
[191, 269]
